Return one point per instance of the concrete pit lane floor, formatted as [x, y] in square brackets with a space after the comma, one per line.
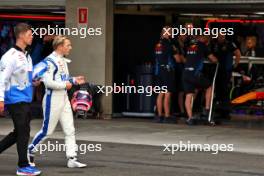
[134, 148]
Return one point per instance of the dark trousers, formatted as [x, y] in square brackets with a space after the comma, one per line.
[222, 91]
[21, 117]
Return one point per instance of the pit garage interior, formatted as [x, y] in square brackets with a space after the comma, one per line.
[125, 52]
[137, 29]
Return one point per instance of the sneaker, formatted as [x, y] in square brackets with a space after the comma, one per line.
[74, 163]
[159, 119]
[28, 171]
[190, 121]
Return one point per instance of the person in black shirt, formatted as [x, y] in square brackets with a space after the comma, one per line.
[165, 77]
[192, 77]
[224, 51]
[180, 47]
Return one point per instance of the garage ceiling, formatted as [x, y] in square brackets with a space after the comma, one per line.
[127, 2]
[164, 6]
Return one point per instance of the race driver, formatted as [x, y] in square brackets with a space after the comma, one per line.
[56, 105]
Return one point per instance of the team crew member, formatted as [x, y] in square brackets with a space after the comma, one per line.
[251, 49]
[56, 105]
[16, 93]
[165, 75]
[180, 48]
[224, 51]
[196, 52]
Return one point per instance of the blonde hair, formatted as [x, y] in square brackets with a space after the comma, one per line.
[252, 39]
[58, 40]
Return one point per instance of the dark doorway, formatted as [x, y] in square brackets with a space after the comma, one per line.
[134, 39]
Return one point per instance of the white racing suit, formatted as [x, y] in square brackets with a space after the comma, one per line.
[56, 105]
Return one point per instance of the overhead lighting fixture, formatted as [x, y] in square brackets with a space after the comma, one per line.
[239, 15]
[58, 12]
[196, 14]
[259, 13]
